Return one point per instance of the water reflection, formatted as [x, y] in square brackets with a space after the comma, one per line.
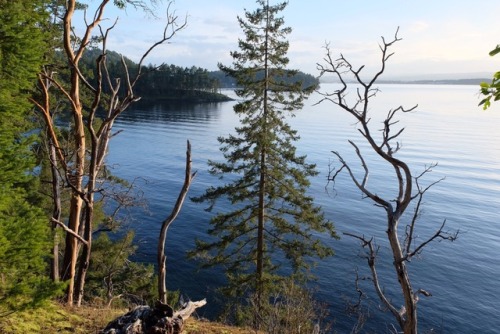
[154, 112]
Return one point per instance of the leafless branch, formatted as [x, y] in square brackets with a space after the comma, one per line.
[371, 258]
[439, 234]
[171, 28]
[68, 230]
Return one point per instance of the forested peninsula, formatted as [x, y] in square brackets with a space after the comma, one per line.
[162, 83]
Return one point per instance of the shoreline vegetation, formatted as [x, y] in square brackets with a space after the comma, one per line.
[171, 83]
[198, 96]
[187, 97]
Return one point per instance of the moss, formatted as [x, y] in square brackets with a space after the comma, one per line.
[55, 318]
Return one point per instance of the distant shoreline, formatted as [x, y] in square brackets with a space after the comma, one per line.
[188, 97]
[474, 82]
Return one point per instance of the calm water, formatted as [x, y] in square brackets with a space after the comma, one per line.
[448, 129]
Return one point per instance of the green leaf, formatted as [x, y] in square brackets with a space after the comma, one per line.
[495, 51]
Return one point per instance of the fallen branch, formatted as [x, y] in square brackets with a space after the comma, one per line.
[144, 319]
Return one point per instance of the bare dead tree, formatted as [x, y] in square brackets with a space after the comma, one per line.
[162, 270]
[409, 189]
[161, 318]
[82, 169]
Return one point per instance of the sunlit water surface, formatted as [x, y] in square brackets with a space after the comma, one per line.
[448, 129]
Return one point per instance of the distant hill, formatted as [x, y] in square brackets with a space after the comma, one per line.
[474, 82]
[438, 79]
[160, 83]
[226, 81]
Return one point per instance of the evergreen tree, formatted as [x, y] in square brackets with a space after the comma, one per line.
[113, 275]
[24, 237]
[273, 217]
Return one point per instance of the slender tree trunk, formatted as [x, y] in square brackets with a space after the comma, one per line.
[408, 320]
[162, 269]
[262, 181]
[96, 159]
[71, 251]
[56, 212]
[260, 230]
[76, 179]
[86, 250]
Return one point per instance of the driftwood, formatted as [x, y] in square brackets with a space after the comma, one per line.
[158, 320]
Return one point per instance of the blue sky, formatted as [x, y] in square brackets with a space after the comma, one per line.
[438, 36]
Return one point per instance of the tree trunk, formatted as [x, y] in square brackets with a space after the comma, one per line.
[85, 257]
[260, 231]
[56, 212]
[262, 181]
[71, 250]
[408, 316]
[162, 270]
[75, 182]
[76, 179]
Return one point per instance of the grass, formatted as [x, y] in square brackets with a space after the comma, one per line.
[194, 326]
[57, 318]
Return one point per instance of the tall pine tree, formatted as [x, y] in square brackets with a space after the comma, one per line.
[24, 237]
[272, 218]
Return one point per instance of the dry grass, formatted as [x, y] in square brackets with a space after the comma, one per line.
[56, 318]
[194, 326]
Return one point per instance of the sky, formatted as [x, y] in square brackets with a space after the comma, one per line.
[439, 37]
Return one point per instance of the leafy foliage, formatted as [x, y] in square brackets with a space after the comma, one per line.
[491, 90]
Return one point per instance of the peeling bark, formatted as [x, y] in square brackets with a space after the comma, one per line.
[82, 171]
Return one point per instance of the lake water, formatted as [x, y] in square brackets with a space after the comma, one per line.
[448, 128]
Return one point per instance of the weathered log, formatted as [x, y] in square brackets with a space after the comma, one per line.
[157, 320]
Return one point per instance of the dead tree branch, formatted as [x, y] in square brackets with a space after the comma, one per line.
[405, 182]
[68, 230]
[162, 271]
